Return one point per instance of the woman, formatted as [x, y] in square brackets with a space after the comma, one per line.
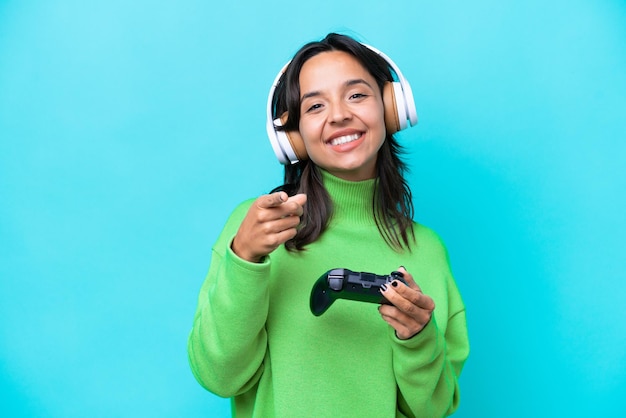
[345, 204]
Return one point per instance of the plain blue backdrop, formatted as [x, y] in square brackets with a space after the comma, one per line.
[130, 130]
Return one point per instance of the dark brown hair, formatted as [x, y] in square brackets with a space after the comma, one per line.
[392, 205]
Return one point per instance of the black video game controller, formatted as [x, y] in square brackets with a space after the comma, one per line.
[347, 284]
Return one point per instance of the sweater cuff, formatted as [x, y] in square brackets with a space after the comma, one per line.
[429, 341]
[245, 280]
[231, 256]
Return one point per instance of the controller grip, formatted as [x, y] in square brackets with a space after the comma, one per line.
[320, 298]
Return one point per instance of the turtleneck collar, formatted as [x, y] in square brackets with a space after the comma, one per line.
[352, 200]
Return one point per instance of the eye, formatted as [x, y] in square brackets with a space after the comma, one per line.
[357, 96]
[314, 107]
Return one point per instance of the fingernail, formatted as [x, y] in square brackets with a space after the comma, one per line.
[394, 283]
[403, 268]
[383, 287]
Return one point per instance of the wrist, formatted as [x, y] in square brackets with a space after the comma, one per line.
[244, 255]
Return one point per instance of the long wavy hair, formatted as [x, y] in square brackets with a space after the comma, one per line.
[392, 204]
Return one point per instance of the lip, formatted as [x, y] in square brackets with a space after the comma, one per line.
[343, 132]
[346, 147]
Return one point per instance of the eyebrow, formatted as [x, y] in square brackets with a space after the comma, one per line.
[348, 83]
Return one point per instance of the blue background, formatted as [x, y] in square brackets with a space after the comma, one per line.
[130, 130]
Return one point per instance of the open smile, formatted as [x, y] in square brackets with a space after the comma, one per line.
[344, 139]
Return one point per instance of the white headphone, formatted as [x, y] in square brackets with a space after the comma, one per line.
[399, 111]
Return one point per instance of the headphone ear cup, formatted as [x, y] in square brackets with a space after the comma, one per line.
[400, 105]
[297, 145]
[395, 107]
[277, 140]
[291, 142]
[392, 124]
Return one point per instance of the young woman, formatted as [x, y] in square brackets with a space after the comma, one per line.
[344, 204]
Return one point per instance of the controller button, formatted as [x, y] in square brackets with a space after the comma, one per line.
[335, 284]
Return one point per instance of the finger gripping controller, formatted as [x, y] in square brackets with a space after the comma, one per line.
[347, 284]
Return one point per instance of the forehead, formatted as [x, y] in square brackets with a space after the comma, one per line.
[327, 69]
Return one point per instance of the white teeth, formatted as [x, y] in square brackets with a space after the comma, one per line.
[345, 139]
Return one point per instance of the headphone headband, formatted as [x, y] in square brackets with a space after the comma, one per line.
[289, 147]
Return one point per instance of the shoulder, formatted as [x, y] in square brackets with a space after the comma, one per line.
[428, 240]
[427, 234]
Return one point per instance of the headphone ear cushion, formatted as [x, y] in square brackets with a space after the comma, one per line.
[297, 144]
[392, 124]
[291, 142]
[395, 107]
[400, 105]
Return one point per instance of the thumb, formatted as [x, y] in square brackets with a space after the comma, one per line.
[300, 199]
[408, 278]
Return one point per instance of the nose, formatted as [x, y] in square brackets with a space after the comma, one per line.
[339, 112]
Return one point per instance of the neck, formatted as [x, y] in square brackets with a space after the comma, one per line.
[352, 200]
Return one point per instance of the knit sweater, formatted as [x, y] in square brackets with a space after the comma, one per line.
[254, 338]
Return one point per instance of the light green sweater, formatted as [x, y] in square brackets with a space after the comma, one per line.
[255, 339]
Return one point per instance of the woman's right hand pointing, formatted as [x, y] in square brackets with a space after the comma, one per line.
[270, 222]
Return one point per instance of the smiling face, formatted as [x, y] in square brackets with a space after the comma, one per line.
[341, 115]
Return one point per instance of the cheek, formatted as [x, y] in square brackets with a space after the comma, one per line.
[310, 132]
[381, 120]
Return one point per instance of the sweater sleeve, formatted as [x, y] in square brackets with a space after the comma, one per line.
[428, 366]
[227, 343]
